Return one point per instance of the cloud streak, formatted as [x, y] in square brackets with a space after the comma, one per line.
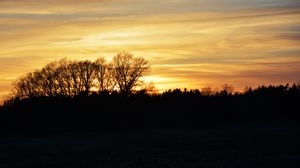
[190, 43]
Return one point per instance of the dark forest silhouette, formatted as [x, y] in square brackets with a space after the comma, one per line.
[84, 94]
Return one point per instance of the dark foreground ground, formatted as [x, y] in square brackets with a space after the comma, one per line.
[223, 145]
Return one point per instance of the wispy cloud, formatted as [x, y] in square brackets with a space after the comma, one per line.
[190, 43]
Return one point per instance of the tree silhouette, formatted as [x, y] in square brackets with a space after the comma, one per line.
[103, 75]
[227, 90]
[207, 91]
[71, 78]
[86, 73]
[127, 70]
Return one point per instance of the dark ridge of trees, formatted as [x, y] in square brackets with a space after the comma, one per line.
[172, 108]
[85, 95]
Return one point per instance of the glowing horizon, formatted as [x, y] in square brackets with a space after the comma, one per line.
[189, 43]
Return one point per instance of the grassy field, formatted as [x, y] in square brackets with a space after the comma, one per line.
[229, 145]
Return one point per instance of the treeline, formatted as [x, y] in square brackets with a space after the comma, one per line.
[90, 95]
[71, 78]
[173, 108]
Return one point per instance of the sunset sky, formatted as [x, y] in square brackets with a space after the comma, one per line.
[189, 43]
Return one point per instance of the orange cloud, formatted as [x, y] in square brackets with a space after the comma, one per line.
[192, 48]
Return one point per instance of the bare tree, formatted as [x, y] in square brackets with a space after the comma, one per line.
[70, 78]
[74, 78]
[229, 89]
[63, 78]
[26, 86]
[20, 87]
[126, 71]
[207, 91]
[46, 78]
[150, 89]
[86, 71]
[103, 76]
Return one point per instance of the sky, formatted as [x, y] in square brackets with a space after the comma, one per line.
[189, 43]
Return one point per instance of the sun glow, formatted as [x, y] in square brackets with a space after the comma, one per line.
[188, 43]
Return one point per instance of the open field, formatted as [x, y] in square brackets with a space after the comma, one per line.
[229, 145]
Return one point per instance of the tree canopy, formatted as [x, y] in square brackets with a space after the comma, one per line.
[71, 78]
